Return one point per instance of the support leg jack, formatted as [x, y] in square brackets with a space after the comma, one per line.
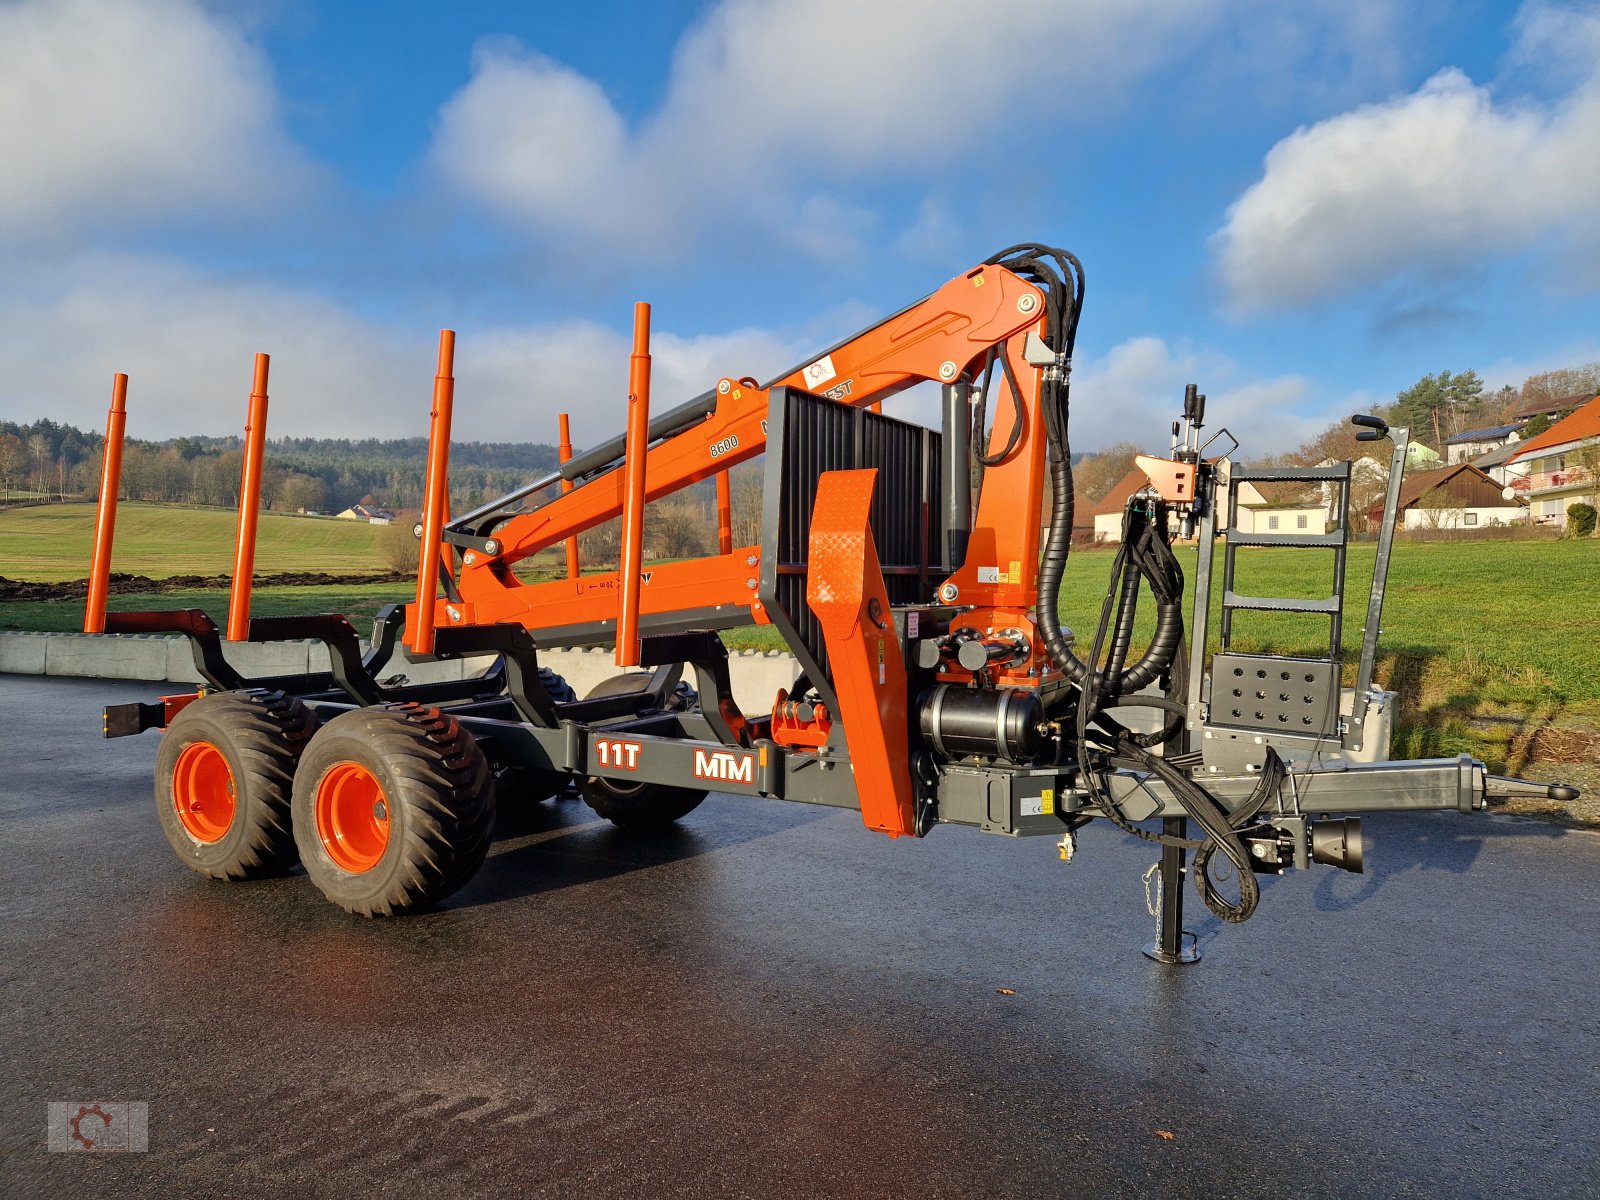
[1174, 945]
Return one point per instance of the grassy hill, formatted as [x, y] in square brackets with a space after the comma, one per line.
[52, 542]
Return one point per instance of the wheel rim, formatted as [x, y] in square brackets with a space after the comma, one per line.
[352, 817]
[203, 792]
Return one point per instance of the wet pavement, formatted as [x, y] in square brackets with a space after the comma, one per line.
[774, 1002]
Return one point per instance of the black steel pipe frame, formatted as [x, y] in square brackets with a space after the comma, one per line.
[1407, 785]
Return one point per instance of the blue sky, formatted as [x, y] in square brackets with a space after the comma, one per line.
[1302, 207]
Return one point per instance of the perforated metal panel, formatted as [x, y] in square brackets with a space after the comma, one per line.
[1271, 694]
[807, 435]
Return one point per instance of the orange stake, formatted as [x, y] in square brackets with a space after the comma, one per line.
[435, 495]
[633, 485]
[105, 523]
[566, 486]
[724, 514]
[244, 544]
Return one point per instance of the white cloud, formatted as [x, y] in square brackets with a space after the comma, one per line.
[775, 109]
[133, 110]
[1135, 392]
[1511, 372]
[187, 341]
[512, 382]
[1432, 181]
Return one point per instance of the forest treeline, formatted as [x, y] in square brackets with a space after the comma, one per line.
[301, 474]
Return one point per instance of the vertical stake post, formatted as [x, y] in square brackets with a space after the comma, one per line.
[724, 514]
[573, 565]
[105, 522]
[244, 542]
[633, 489]
[435, 495]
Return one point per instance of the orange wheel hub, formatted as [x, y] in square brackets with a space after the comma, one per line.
[203, 792]
[352, 817]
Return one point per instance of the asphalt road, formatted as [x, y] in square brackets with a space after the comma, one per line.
[774, 1002]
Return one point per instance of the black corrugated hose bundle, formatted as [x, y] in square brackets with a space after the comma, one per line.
[1146, 547]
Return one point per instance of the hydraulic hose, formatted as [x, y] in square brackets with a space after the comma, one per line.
[1122, 632]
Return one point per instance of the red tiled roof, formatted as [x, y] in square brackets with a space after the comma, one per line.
[1585, 423]
[1117, 497]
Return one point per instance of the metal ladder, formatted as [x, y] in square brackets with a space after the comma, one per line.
[1287, 696]
[1337, 540]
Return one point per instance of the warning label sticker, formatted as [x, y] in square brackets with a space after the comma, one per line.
[1038, 806]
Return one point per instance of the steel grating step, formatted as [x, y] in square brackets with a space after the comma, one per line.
[1289, 474]
[1238, 537]
[1281, 603]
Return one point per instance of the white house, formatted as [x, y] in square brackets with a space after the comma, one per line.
[1475, 443]
[367, 513]
[1283, 507]
[1108, 513]
[1503, 467]
[1458, 497]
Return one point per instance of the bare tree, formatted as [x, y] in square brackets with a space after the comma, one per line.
[678, 527]
[1440, 509]
[1559, 384]
[1096, 475]
[398, 544]
[39, 448]
[599, 547]
[1586, 458]
[13, 461]
[744, 487]
[302, 492]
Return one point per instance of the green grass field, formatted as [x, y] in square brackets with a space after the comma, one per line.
[359, 602]
[52, 542]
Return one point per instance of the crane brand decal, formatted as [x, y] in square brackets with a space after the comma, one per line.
[725, 766]
[839, 390]
[617, 754]
[819, 372]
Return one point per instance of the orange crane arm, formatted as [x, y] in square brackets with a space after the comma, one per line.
[941, 338]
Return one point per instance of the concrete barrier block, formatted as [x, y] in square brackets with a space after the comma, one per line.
[583, 668]
[757, 676]
[23, 653]
[90, 657]
[250, 659]
[444, 671]
[260, 659]
[180, 661]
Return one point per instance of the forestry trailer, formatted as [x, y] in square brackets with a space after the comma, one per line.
[914, 573]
